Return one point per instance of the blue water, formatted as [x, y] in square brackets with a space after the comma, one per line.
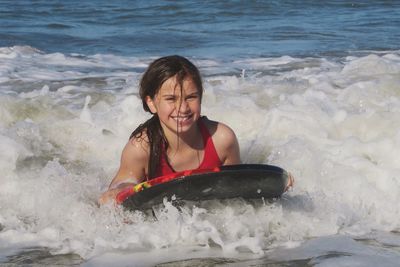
[205, 29]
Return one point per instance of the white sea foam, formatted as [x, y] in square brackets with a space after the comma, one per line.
[333, 124]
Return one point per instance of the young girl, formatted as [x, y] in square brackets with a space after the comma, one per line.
[176, 137]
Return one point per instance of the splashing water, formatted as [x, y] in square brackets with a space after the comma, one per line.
[333, 123]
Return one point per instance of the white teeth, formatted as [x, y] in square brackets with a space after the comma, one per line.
[181, 118]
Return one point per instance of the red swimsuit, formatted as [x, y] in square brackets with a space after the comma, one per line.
[210, 160]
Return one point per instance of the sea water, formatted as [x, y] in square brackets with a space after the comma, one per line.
[311, 87]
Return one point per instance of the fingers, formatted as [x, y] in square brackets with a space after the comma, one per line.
[290, 182]
[107, 196]
[111, 194]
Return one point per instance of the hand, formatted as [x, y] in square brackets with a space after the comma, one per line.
[111, 194]
[290, 182]
[108, 196]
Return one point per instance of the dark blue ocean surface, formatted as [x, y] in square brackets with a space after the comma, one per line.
[222, 29]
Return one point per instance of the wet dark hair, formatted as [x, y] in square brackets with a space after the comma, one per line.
[156, 74]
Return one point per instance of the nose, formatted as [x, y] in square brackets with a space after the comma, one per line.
[183, 106]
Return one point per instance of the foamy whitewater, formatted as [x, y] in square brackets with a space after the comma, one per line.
[333, 123]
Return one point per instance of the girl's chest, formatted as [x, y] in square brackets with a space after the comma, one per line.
[186, 160]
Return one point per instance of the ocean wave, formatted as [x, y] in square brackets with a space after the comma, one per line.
[332, 122]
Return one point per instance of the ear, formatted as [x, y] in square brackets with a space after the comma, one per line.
[150, 104]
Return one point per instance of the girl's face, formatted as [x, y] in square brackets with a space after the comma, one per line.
[178, 110]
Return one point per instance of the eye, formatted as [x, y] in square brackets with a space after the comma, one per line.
[170, 98]
[192, 97]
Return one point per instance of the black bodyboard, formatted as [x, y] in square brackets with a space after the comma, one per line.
[247, 181]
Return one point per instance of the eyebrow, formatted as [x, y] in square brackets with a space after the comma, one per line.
[168, 94]
[191, 93]
[194, 93]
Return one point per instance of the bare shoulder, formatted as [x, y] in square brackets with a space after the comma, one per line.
[219, 130]
[225, 141]
[137, 149]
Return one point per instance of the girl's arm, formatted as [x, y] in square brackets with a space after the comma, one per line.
[132, 169]
[232, 150]
[225, 142]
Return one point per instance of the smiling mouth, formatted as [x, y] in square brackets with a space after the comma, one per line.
[181, 119]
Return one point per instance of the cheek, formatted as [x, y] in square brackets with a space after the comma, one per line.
[165, 108]
[195, 106]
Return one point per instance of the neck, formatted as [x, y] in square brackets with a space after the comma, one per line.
[191, 139]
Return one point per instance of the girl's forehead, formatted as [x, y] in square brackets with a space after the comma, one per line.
[172, 86]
